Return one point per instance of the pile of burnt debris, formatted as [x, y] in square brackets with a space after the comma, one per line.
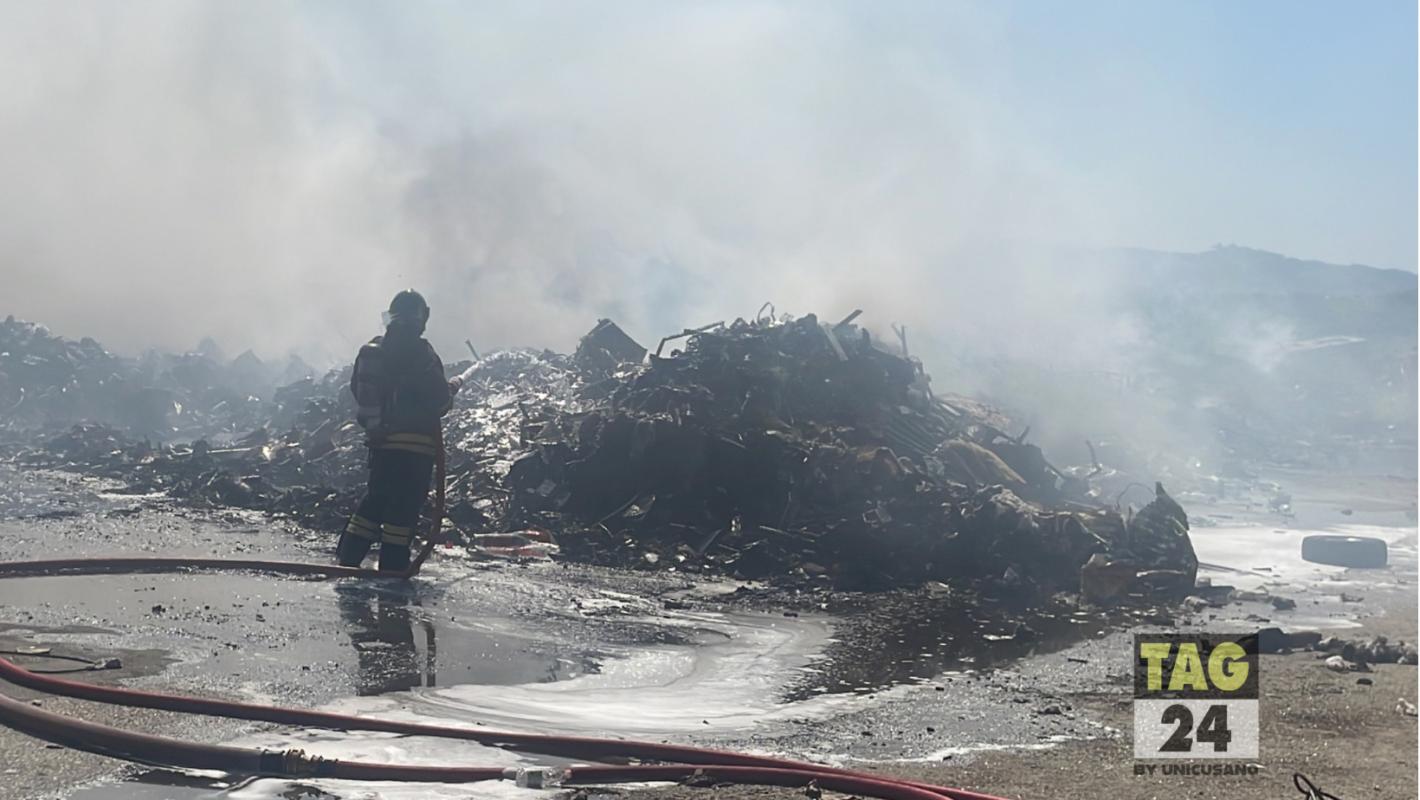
[795, 447]
[779, 448]
[47, 380]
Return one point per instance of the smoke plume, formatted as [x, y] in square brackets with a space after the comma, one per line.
[270, 173]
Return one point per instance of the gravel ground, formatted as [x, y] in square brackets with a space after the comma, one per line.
[1346, 736]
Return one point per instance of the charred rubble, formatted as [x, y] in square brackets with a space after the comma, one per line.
[48, 381]
[787, 449]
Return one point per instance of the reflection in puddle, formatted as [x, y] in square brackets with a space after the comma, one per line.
[163, 784]
[401, 645]
[382, 632]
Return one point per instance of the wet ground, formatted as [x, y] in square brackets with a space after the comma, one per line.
[534, 646]
[1262, 549]
[557, 648]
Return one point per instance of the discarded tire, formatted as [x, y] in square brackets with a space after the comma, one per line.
[1362, 552]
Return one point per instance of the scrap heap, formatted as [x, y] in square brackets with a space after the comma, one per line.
[47, 380]
[781, 448]
[44, 376]
[794, 447]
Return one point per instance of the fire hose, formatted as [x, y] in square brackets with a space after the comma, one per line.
[680, 762]
[146, 565]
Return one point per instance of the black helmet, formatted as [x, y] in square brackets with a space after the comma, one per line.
[408, 309]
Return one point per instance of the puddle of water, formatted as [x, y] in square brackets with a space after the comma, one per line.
[922, 639]
[727, 677]
[399, 646]
[730, 679]
[262, 629]
[162, 784]
[430, 653]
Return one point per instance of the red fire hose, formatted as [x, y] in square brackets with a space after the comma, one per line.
[143, 748]
[158, 750]
[565, 746]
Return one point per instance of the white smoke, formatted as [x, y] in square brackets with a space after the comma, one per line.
[271, 173]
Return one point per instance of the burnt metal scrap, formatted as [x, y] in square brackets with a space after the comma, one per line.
[791, 447]
[781, 448]
[306, 459]
[48, 381]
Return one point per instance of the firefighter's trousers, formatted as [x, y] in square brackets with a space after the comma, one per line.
[389, 511]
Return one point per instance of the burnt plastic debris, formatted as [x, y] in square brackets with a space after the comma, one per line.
[782, 448]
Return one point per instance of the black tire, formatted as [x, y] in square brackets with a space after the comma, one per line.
[1360, 552]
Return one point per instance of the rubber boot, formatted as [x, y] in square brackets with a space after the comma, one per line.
[352, 549]
[394, 557]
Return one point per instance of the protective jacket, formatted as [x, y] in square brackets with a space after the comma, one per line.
[400, 392]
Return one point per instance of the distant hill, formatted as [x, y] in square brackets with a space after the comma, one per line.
[1229, 268]
[1230, 355]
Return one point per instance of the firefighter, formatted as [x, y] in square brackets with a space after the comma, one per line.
[401, 395]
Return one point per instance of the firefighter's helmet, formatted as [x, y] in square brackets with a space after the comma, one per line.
[408, 308]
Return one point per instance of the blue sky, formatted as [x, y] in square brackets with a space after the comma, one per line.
[1282, 125]
[1289, 126]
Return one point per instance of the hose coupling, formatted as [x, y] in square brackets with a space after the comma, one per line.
[293, 763]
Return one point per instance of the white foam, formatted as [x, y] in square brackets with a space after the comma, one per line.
[1273, 556]
[732, 682]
